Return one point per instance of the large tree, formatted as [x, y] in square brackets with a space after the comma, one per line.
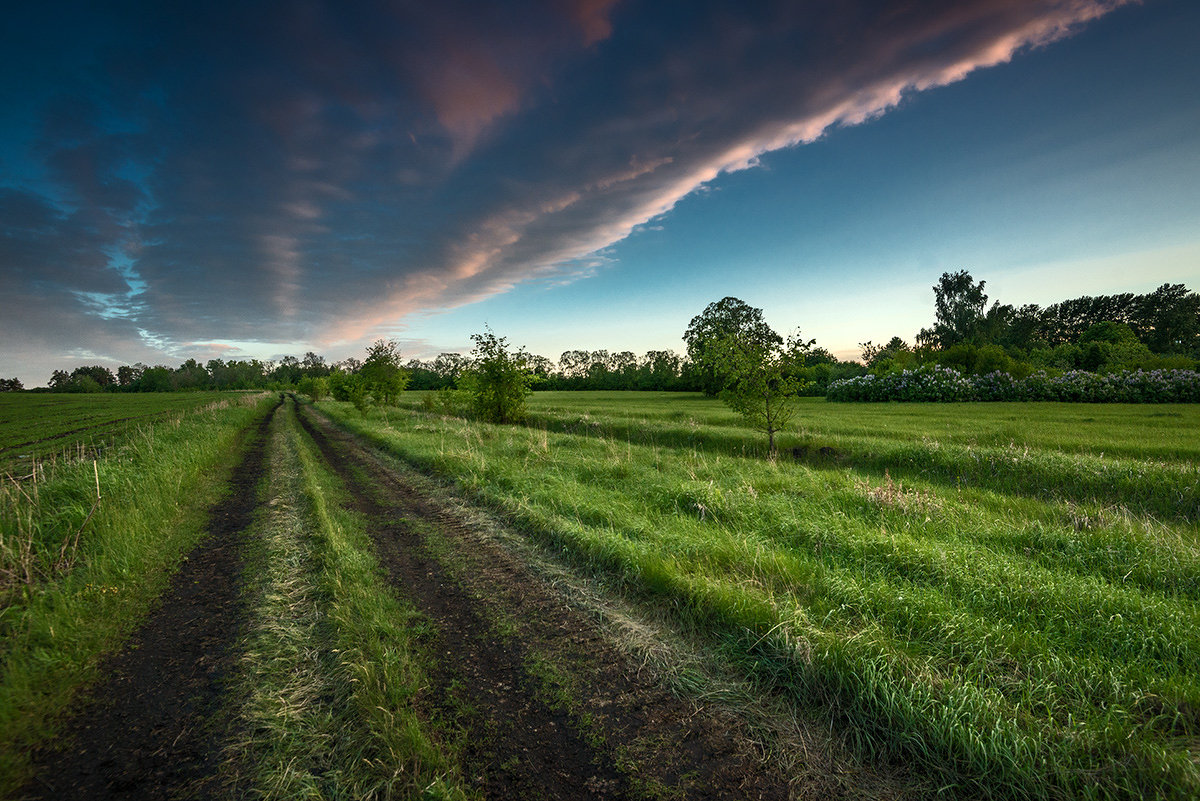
[314, 365]
[128, 375]
[659, 370]
[98, 373]
[874, 355]
[726, 319]
[959, 305]
[449, 366]
[1169, 319]
[574, 364]
[288, 371]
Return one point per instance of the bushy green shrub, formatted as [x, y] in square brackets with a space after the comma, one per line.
[315, 388]
[497, 382]
[339, 385]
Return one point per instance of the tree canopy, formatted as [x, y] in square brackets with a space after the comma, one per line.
[728, 319]
[959, 306]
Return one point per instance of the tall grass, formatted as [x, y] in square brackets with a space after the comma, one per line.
[155, 489]
[1014, 639]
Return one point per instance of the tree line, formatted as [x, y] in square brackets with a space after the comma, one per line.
[656, 370]
[1098, 334]
[1156, 330]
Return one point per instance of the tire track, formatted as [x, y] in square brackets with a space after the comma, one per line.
[151, 728]
[517, 746]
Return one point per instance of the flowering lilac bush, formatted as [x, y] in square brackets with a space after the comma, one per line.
[943, 384]
[922, 384]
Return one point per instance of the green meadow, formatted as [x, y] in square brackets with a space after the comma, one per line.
[1004, 596]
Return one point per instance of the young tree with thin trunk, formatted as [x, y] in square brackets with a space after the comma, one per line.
[381, 374]
[760, 383]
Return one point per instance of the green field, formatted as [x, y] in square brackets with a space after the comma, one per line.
[40, 425]
[994, 600]
[1005, 595]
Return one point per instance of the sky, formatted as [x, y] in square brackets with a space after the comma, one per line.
[250, 180]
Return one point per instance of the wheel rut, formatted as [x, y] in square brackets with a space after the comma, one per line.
[623, 735]
[150, 728]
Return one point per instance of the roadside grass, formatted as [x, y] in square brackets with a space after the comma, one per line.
[1012, 644]
[333, 660]
[155, 489]
[39, 426]
[679, 657]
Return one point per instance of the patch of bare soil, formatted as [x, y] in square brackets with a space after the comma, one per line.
[151, 728]
[551, 708]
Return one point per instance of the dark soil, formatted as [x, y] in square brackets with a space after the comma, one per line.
[151, 728]
[550, 708]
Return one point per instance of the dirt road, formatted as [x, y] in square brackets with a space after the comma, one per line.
[537, 689]
[593, 729]
[152, 725]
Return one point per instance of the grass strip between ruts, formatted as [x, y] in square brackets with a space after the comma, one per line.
[332, 664]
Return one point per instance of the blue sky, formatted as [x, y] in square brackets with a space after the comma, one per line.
[577, 173]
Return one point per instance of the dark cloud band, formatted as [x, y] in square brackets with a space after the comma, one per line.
[314, 172]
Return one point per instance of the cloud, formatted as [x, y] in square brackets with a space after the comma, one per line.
[314, 172]
[592, 16]
[709, 102]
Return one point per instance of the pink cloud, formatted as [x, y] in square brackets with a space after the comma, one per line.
[543, 232]
[592, 17]
[469, 90]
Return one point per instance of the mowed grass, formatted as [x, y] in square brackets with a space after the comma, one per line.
[1005, 596]
[38, 425]
[1154, 431]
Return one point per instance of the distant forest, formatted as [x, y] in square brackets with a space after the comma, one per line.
[1102, 334]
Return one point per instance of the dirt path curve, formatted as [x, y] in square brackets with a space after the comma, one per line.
[147, 730]
[550, 708]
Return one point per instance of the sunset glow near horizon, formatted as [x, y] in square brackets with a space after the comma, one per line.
[578, 174]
